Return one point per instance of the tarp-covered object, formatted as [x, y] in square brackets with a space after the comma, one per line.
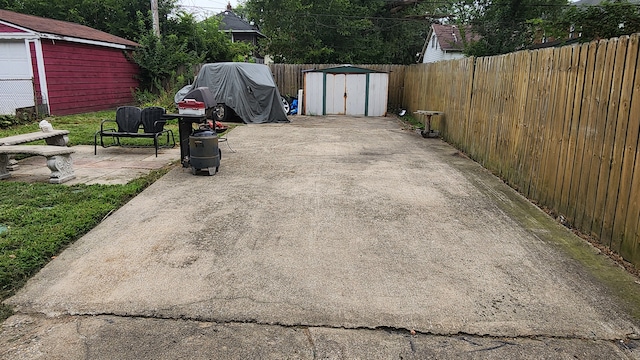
[246, 88]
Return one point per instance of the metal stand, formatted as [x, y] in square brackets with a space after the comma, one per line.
[185, 127]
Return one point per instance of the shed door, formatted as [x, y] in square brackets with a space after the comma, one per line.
[345, 94]
[313, 93]
[356, 94]
[335, 94]
[16, 83]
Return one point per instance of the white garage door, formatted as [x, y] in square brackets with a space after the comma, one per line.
[16, 84]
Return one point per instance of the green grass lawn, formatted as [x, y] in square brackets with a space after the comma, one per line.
[37, 221]
[82, 128]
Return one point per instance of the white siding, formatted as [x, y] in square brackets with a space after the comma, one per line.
[345, 94]
[378, 94]
[434, 53]
[16, 85]
[313, 93]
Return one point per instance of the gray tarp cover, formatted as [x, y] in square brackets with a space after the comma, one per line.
[247, 88]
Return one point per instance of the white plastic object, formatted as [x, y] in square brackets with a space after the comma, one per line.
[46, 126]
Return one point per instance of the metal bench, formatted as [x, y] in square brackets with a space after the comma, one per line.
[129, 121]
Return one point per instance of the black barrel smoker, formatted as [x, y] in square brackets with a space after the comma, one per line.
[204, 151]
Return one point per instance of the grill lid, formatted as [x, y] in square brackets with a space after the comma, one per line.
[202, 94]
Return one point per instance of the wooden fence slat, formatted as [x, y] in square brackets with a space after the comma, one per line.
[626, 206]
[573, 118]
[599, 113]
[524, 69]
[475, 115]
[493, 111]
[542, 187]
[591, 133]
[508, 118]
[456, 119]
[471, 70]
[544, 123]
[579, 113]
[480, 109]
[513, 119]
[557, 128]
[564, 118]
[472, 114]
[487, 111]
[531, 122]
[608, 141]
[611, 204]
[503, 144]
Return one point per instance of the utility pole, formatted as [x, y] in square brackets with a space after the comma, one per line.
[154, 14]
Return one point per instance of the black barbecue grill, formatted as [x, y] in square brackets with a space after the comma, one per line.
[198, 148]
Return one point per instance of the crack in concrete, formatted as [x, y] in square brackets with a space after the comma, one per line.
[389, 329]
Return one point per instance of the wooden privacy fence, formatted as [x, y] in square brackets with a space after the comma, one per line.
[289, 78]
[560, 125]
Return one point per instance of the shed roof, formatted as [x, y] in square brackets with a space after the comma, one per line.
[61, 28]
[343, 69]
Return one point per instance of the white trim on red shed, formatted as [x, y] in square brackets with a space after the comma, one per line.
[29, 37]
[48, 67]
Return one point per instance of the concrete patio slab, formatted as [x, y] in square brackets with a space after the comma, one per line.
[331, 237]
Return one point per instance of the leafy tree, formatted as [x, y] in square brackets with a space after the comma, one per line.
[117, 17]
[508, 25]
[184, 41]
[605, 20]
[214, 45]
[340, 31]
[159, 58]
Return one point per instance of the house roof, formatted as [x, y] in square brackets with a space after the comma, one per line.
[233, 23]
[449, 37]
[61, 28]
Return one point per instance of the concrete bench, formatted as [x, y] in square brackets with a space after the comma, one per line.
[53, 137]
[58, 160]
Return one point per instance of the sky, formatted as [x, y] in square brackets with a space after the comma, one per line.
[206, 8]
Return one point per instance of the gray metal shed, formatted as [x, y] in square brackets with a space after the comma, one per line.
[345, 90]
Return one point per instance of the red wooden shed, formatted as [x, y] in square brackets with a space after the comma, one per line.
[62, 67]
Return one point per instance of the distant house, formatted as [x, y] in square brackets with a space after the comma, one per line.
[61, 67]
[444, 42]
[241, 30]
